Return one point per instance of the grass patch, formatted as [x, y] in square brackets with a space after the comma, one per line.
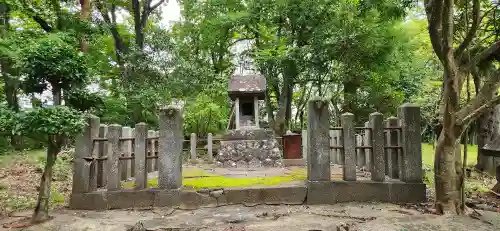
[20, 177]
[428, 154]
[200, 179]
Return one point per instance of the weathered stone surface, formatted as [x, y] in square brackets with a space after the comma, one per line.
[129, 199]
[140, 156]
[268, 195]
[362, 191]
[377, 154]
[88, 201]
[348, 131]
[285, 195]
[190, 200]
[193, 200]
[84, 174]
[166, 197]
[254, 163]
[248, 134]
[407, 192]
[242, 164]
[113, 181]
[170, 148]
[318, 138]
[252, 152]
[411, 140]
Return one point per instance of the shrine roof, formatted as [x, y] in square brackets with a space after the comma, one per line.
[244, 84]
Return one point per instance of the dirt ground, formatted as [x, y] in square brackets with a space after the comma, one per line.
[343, 217]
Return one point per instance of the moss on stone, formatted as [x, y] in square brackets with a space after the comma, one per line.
[200, 179]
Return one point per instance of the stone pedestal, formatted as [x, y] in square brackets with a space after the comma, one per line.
[250, 148]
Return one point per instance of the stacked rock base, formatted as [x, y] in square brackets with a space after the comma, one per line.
[237, 152]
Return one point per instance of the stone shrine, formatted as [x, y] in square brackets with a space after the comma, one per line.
[245, 144]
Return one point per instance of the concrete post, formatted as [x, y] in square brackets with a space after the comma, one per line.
[141, 174]
[333, 152]
[368, 142]
[170, 148]
[348, 130]
[256, 112]
[101, 166]
[151, 151]
[237, 113]
[392, 154]
[412, 146]
[193, 148]
[114, 134]
[210, 154]
[304, 144]
[84, 175]
[378, 160]
[318, 160]
[126, 165]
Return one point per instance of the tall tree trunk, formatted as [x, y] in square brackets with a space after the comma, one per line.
[42, 206]
[84, 16]
[350, 88]
[56, 95]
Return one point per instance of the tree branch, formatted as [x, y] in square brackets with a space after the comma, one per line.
[434, 9]
[495, 47]
[476, 113]
[44, 24]
[476, 20]
[483, 100]
[154, 6]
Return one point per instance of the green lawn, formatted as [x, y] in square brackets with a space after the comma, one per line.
[428, 154]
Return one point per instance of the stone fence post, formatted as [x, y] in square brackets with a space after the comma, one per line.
[210, 156]
[318, 160]
[114, 134]
[85, 174]
[348, 134]
[192, 142]
[170, 148]
[140, 149]
[377, 154]
[412, 142]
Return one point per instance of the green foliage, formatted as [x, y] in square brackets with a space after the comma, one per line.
[203, 115]
[8, 121]
[83, 100]
[53, 59]
[58, 120]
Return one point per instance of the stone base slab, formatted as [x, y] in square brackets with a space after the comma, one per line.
[294, 162]
[328, 192]
[331, 192]
[249, 134]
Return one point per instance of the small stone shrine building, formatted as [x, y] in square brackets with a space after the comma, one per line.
[245, 144]
[245, 91]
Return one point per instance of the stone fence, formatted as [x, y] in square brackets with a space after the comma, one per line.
[390, 150]
[107, 155]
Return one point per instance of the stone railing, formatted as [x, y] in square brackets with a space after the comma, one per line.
[391, 153]
[107, 155]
